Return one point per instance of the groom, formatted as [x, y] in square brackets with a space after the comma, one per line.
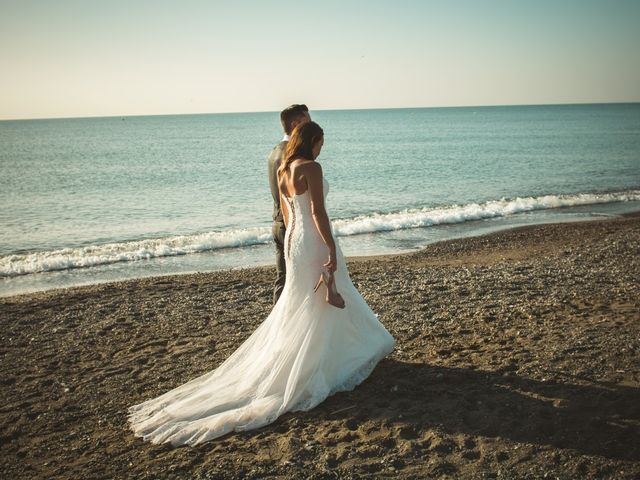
[290, 118]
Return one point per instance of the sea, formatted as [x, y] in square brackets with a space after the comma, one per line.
[90, 200]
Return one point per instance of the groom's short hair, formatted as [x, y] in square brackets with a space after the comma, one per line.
[290, 115]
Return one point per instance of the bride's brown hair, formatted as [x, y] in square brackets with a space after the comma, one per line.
[301, 143]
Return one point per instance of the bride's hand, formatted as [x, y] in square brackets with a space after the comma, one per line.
[331, 264]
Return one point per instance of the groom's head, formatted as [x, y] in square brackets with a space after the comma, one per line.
[292, 116]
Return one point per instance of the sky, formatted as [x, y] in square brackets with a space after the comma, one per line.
[81, 58]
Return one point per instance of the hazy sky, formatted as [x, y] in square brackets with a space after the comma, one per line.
[64, 58]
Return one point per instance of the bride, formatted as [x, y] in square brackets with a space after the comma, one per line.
[320, 338]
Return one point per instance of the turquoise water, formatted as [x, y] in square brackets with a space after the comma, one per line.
[94, 199]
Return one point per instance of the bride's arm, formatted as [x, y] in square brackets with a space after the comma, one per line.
[313, 176]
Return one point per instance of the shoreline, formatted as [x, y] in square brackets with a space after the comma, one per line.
[516, 357]
[350, 259]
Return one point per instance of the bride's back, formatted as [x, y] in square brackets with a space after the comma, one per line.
[292, 181]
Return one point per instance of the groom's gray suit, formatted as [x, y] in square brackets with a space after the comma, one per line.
[278, 229]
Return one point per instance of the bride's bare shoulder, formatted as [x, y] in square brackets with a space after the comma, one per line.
[310, 168]
[306, 168]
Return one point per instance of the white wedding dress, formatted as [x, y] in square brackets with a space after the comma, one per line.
[304, 351]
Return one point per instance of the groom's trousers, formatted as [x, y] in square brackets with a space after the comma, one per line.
[278, 231]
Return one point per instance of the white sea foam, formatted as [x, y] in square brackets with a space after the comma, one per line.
[93, 255]
[426, 217]
[13, 265]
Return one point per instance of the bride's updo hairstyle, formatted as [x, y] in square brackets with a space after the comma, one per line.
[301, 143]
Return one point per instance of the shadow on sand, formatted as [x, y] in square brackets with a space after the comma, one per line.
[597, 420]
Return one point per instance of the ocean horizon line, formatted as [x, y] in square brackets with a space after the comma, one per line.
[442, 107]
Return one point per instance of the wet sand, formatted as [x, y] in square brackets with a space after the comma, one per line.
[518, 356]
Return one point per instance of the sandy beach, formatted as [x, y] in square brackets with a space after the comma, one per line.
[518, 356]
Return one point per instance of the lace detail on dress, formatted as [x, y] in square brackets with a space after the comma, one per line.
[293, 224]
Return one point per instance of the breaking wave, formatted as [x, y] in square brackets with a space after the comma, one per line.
[80, 257]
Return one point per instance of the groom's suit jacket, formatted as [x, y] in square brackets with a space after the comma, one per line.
[276, 156]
